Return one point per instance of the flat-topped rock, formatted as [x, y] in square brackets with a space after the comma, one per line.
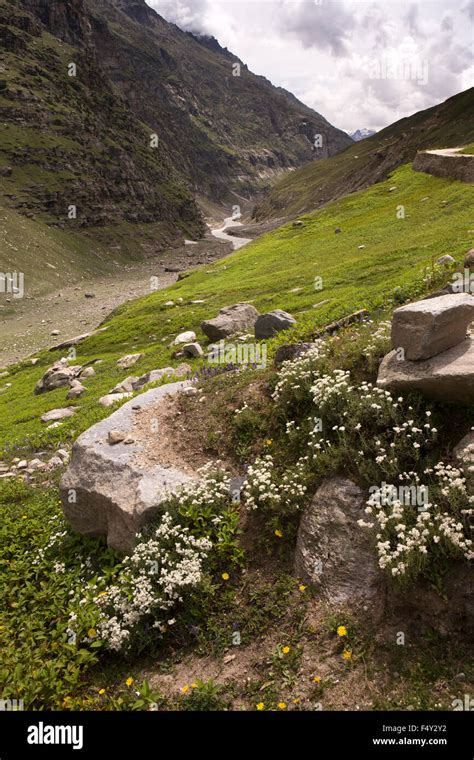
[429, 327]
[447, 377]
[111, 490]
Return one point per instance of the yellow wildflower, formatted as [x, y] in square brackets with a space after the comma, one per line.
[347, 654]
[101, 691]
[282, 705]
[268, 442]
[317, 679]
[91, 632]
[185, 689]
[260, 706]
[302, 588]
[278, 533]
[341, 630]
[129, 681]
[285, 650]
[225, 576]
[194, 685]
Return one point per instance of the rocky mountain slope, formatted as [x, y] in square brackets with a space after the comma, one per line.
[448, 124]
[113, 111]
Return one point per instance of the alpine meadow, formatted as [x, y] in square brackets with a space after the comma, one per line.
[236, 374]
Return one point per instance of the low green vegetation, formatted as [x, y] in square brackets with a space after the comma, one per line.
[83, 628]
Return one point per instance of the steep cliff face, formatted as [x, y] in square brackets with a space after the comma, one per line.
[111, 115]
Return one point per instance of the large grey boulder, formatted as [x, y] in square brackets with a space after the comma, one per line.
[230, 320]
[111, 490]
[429, 327]
[269, 324]
[59, 375]
[332, 550]
[447, 377]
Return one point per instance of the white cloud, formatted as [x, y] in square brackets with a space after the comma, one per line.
[326, 52]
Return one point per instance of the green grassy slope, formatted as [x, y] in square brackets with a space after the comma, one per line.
[266, 272]
[446, 125]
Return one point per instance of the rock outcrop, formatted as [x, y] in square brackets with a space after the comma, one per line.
[108, 490]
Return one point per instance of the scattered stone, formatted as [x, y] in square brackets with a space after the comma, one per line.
[77, 339]
[332, 550]
[57, 376]
[115, 436]
[190, 391]
[77, 389]
[230, 320]
[113, 398]
[36, 464]
[22, 465]
[337, 230]
[54, 462]
[429, 327]
[55, 332]
[34, 361]
[391, 189]
[446, 259]
[63, 454]
[117, 493]
[89, 295]
[126, 386]
[275, 321]
[54, 425]
[298, 223]
[184, 337]
[360, 247]
[87, 372]
[129, 360]
[192, 349]
[58, 414]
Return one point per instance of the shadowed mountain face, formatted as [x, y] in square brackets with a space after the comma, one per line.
[111, 109]
[446, 125]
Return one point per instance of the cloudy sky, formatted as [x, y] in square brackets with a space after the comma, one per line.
[360, 64]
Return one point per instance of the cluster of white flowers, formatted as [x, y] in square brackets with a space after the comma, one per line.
[406, 532]
[296, 376]
[328, 388]
[151, 582]
[265, 489]
[378, 341]
[211, 492]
